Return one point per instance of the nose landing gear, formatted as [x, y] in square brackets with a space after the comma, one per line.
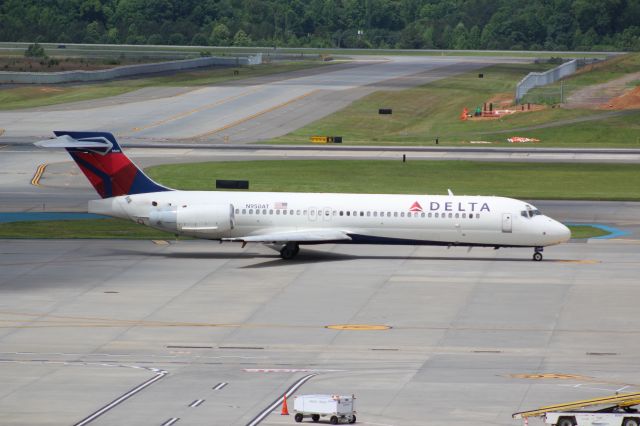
[537, 254]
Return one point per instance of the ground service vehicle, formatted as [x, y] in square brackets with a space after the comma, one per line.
[607, 417]
[338, 408]
[615, 410]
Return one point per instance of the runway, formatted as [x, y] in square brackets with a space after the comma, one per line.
[244, 111]
[85, 322]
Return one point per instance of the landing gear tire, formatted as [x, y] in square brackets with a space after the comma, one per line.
[537, 256]
[353, 419]
[289, 251]
[315, 418]
[630, 422]
[298, 417]
[566, 421]
[333, 420]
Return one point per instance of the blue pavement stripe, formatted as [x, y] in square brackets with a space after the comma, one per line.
[30, 216]
[613, 232]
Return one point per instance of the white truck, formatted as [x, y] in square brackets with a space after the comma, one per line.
[614, 410]
[338, 408]
[608, 417]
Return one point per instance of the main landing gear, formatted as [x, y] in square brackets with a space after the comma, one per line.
[537, 254]
[289, 251]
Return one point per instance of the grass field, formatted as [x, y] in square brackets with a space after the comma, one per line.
[592, 74]
[519, 180]
[124, 229]
[89, 49]
[92, 228]
[34, 96]
[422, 114]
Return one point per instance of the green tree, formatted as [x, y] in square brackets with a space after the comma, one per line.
[35, 51]
[219, 35]
[241, 39]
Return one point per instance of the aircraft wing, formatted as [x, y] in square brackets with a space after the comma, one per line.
[300, 236]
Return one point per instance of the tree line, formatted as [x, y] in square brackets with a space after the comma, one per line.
[408, 24]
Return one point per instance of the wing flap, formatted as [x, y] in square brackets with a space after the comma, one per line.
[301, 236]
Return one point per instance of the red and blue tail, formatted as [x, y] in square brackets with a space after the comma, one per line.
[102, 161]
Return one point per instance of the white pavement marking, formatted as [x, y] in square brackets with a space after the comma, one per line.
[171, 421]
[260, 417]
[196, 403]
[159, 375]
[220, 385]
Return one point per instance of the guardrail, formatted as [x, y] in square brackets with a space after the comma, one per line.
[537, 79]
[124, 71]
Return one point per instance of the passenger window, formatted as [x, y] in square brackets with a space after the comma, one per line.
[271, 211]
[250, 211]
[361, 214]
[437, 215]
[430, 214]
[464, 215]
[388, 214]
[284, 212]
[368, 214]
[422, 214]
[237, 211]
[450, 215]
[375, 214]
[244, 211]
[257, 211]
[341, 212]
[355, 213]
[402, 214]
[277, 212]
[477, 215]
[304, 212]
[395, 214]
[457, 215]
[348, 213]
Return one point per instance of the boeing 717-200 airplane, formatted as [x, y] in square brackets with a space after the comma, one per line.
[286, 220]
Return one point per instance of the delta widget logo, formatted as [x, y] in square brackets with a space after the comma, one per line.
[415, 207]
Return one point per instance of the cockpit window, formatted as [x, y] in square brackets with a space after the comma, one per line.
[530, 213]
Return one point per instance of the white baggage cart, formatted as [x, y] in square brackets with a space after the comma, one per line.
[337, 408]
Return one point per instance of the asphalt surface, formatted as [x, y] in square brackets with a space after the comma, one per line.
[239, 112]
[87, 322]
[192, 332]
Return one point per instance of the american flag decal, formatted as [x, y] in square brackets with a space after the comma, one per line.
[280, 205]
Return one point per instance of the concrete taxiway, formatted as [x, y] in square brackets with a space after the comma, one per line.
[213, 334]
[243, 111]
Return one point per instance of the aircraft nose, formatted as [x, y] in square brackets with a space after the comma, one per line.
[561, 232]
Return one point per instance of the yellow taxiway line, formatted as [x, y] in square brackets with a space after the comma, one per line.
[257, 114]
[35, 181]
[195, 110]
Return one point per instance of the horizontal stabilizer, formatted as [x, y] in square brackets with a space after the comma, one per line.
[66, 141]
[302, 236]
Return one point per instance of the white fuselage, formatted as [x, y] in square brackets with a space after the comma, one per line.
[367, 218]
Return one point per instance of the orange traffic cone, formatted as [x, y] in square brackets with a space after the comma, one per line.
[285, 409]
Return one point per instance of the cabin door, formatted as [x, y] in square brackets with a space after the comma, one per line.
[506, 222]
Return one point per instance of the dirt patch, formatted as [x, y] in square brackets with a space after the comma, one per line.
[50, 89]
[501, 100]
[57, 64]
[629, 100]
[600, 96]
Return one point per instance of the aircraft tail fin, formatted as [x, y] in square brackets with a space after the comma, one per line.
[102, 161]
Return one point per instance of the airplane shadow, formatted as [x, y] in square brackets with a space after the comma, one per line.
[305, 256]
